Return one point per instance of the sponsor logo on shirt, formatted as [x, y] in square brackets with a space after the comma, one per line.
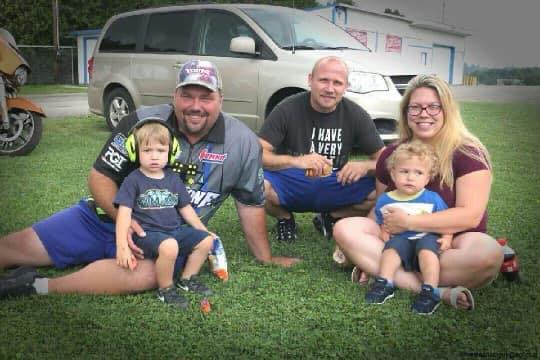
[202, 198]
[114, 159]
[206, 156]
[119, 143]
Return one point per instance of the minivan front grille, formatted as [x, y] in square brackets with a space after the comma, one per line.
[401, 81]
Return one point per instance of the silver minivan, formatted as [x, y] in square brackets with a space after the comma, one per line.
[264, 54]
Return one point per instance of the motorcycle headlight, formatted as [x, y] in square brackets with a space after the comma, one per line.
[364, 82]
[21, 75]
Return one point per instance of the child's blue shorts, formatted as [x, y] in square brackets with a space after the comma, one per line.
[408, 249]
[186, 237]
[300, 193]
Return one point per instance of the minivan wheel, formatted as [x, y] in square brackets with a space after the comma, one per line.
[118, 104]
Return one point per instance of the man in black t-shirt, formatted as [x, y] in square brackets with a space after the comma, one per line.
[305, 137]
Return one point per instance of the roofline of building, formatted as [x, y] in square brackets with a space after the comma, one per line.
[420, 24]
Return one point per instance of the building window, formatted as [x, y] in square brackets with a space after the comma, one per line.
[423, 58]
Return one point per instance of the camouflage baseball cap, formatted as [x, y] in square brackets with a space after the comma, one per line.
[199, 72]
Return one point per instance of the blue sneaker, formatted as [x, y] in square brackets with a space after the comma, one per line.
[426, 302]
[379, 292]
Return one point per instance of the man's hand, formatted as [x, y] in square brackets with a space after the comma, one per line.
[316, 163]
[137, 229]
[352, 171]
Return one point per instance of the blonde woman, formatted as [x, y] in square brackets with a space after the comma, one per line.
[429, 113]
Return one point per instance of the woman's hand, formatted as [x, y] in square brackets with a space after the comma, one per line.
[396, 220]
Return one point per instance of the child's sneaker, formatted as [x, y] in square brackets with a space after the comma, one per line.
[171, 296]
[379, 292]
[193, 284]
[426, 302]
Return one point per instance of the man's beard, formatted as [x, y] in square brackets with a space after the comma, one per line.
[197, 129]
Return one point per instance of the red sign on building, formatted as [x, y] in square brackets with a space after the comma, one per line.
[360, 36]
[393, 43]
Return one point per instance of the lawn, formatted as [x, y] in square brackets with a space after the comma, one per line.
[309, 311]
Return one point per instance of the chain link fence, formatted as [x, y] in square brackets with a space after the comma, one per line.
[41, 60]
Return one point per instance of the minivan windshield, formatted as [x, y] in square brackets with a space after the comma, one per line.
[291, 28]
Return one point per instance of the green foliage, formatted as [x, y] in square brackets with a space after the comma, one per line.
[30, 22]
[310, 311]
[527, 76]
[393, 12]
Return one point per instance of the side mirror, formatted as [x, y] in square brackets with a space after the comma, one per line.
[243, 45]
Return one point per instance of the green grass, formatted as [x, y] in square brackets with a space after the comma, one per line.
[52, 89]
[309, 311]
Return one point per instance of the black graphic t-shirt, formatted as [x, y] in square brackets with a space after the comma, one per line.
[155, 202]
[295, 128]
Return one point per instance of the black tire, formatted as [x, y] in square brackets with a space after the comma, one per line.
[118, 103]
[23, 135]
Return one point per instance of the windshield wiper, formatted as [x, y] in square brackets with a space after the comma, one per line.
[341, 48]
[299, 47]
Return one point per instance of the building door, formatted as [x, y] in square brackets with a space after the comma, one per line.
[443, 62]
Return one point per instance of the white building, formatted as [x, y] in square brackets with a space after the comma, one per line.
[409, 45]
[86, 41]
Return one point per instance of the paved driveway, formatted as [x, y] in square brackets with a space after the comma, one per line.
[57, 105]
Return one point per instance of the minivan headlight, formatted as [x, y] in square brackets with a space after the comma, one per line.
[364, 82]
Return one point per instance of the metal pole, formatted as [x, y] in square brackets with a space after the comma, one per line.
[56, 40]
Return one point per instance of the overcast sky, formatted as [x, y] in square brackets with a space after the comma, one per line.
[504, 32]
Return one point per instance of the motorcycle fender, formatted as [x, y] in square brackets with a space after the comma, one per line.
[25, 104]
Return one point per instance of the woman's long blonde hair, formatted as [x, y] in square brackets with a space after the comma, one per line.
[453, 135]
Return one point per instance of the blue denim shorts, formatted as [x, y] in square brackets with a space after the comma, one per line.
[408, 249]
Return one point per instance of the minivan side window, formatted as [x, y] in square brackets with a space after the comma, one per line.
[121, 36]
[218, 30]
[169, 32]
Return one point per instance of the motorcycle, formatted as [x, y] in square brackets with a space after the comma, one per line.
[20, 119]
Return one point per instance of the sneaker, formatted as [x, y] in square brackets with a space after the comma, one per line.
[18, 282]
[426, 302]
[286, 229]
[324, 223]
[171, 296]
[193, 284]
[379, 292]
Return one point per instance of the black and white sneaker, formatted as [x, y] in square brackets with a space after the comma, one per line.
[18, 282]
[286, 229]
[324, 223]
[171, 296]
[193, 284]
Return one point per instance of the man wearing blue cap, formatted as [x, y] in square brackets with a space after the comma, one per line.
[219, 157]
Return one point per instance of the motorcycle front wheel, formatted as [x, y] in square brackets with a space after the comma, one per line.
[23, 134]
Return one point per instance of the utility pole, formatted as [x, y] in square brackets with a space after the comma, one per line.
[56, 41]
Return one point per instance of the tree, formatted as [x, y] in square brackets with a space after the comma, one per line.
[30, 22]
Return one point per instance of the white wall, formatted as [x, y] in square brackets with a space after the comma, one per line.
[418, 52]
